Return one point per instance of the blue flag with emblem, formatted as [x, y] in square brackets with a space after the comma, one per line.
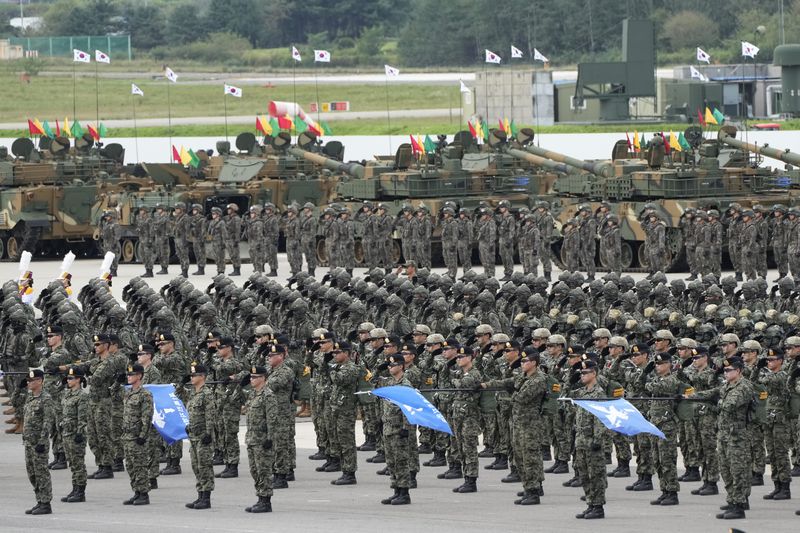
[620, 416]
[169, 414]
[415, 407]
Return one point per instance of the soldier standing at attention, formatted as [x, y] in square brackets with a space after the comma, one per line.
[74, 417]
[281, 382]
[256, 238]
[486, 233]
[152, 376]
[384, 235]
[734, 223]
[57, 360]
[369, 239]
[793, 241]
[202, 413]
[587, 229]
[180, 236]
[466, 416]
[779, 239]
[422, 237]
[776, 428]
[466, 237]
[662, 415]
[450, 242]
[197, 235]
[172, 366]
[763, 240]
[144, 229]
[138, 424]
[272, 232]
[689, 234]
[308, 237]
[161, 237]
[396, 430]
[329, 234]
[656, 243]
[345, 242]
[103, 373]
[571, 245]
[344, 376]
[546, 225]
[748, 245]
[713, 242]
[294, 248]
[39, 412]
[404, 226]
[261, 423]
[506, 233]
[529, 245]
[611, 244]
[110, 234]
[589, 436]
[234, 224]
[527, 426]
[229, 400]
[217, 233]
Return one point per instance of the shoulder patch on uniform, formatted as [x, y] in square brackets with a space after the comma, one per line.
[763, 395]
[618, 392]
[556, 387]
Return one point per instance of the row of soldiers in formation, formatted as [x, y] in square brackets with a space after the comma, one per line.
[469, 313]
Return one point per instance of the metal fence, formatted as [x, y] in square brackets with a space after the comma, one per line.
[116, 46]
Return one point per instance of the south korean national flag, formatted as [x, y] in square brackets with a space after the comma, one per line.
[233, 91]
[322, 56]
[81, 56]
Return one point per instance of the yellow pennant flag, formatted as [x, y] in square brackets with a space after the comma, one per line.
[507, 126]
[479, 131]
[266, 126]
[673, 142]
[38, 124]
[710, 118]
[66, 129]
[636, 144]
[185, 157]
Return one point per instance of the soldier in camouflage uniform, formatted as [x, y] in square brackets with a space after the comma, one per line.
[173, 367]
[712, 243]
[748, 245]
[217, 234]
[643, 443]
[294, 248]
[396, 430]
[366, 218]
[589, 435]
[272, 233]
[261, 423]
[663, 384]
[466, 237]
[763, 240]
[39, 413]
[197, 236]
[228, 401]
[486, 235]
[405, 227]
[734, 226]
[611, 244]
[281, 381]
[102, 375]
[450, 241]
[138, 425]
[655, 243]
[529, 245]
[110, 234]
[57, 360]
[180, 236]
[344, 376]
[506, 235]
[161, 237]
[256, 238]
[779, 230]
[144, 229]
[152, 376]
[793, 241]
[571, 245]
[527, 425]
[587, 229]
[689, 234]
[202, 416]
[234, 224]
[466, 416]
[345, 241]
[777, 428]
[546, 224]
[308, 236]
[385, 228]
[74, 417]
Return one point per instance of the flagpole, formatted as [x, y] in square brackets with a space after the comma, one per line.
[486, 91]
[388, 116]
[294, 91]
[74, 89]
[97, 92]
[316, 88]
[169, 120]
[135, 129]
[225, 107]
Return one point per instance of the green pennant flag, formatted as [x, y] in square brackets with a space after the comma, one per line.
[77, 130]
[485, 128]
[326, 129]
[720, 118]
[195, 161]
[47, 130]
[684, 143]
[273, 123]
[514, 128]
[102, 131]
[643, 143]
[430, 147]
[300, 125]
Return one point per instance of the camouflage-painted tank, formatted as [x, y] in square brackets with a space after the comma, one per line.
[713, 174]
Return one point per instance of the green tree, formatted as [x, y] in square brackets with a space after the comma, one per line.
[242, 17]
[688, 29]
[146, 25]
[184, 25]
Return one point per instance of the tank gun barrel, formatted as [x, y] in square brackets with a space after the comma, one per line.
[537, 160]
[726, 136]
[351, 169]
[601, 169]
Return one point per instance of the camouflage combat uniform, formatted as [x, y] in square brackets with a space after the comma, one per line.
[256, 238]
[74, 418]
[589, 458]
[217, 233]
[138, 425]
[39, 413]
[110, 234]
[308, 239]
[486, 233]
[450, 244]
[272, 230]
[144, 229]
[506, 234]
[344, 378]
[197, 236]
[234, 224]
[261, 423]
[202, 417]
[294, 250]
[161, 238]
[180, 236]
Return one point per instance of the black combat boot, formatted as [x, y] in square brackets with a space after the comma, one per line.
[231, 471]
[438, 459]
[424, 449]
[569, 482]
[319, 456]
[163, 271]
[119, 465]
[546, 455]
[645, 484]
[512, 477]
[201, 271]
[142, 499]
[148, 273]
[388, 501]
[279, 481]
[347, 478]
[453, 473]
[486, 452]
[671, 498]
[236, 271]
[334, 466]
[595, 512]
[584, 513]
[470, 485]
[709, 490]
[776, 490]
[289, 476]
[758, 480]
[784, 493]
[412, 484]
[192, 504]
[173, 468]
[59, 463]
[153, 483]
[384, 471]
[403, 498]
[204, 502]
[130, 500]
[739, 276]
[264, 505]
[323, 466]
[368, 446]
[378, 458]
[79, 495]
[42, 508]
[560, 467]
[105, 472]
[185, 273]
[72, 493]
[501, 463]
[530, 498]
[623, 469]
[735, 511]
[692, 474]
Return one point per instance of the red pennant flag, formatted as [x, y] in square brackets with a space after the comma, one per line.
[176, 155]
[260, 126]
[285, 123]
[628, 139]
[472, 130]
[58, 129]
[415, 148]
[33, 129]
[93, 132]
[700, 118]
[666, 143]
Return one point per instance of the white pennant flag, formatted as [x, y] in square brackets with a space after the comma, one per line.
[135, 90]
[515, 52]
[749, 49]
[491, 57]
[296, 54]
[703, 56]
[537, 56]
[696, 74]
[391, 71]
[233, 91]
[100, 57]
[322, 56]
[170, 74]
[81, 57]
[464, 88]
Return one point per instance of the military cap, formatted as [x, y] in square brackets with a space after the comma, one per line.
[36, 373]
[135, 368]
[664, 334]
[407, 348]
[451, 342]
[180, 205]
[421, 329]
[730, 337]
[484, 329]
[751, 345]
[145, 348]
[213, 335]
[775, 352]
[792, 341]
[465, 350]
[113, 338]
[226, 341]
[197, 206]
[55, 330]
[734, 362]
[601, 333]
[167, 337]
[499, 338]
[216, 210]
[101, 338]
[342, 346]
[616, 340]
[640, 347]
[393, 340]
[513, 345]
[197, 369]
[277, 349]
[576, 350]
[662, 357]
[395, 360]
[588, 364]
[557, 339]
[75, 371]
[686, 342]
[308, 205]
[264, 329]
[377, 333]
[530, 354]
[258, 371]
[540, 333]
[366, 327]
[434, 338]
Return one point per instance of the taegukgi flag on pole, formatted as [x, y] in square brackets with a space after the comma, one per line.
[170, 74]
[491, 57]
[391, 71]
[322, 56]
[515, 52]
[697, 74]
[417, 410]
[136, 90]
[296, 54]
[538, 56]
[620, 416]
[233, 91]
[749, 49]
[703, 56]
[101, 57]
[81, 56]
[170, 417]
